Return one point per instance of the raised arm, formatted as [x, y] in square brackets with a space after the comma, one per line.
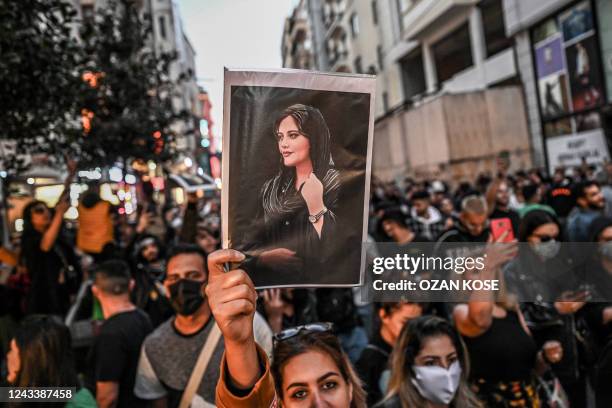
[232, 299]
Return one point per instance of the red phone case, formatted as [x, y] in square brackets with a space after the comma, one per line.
[501, 225]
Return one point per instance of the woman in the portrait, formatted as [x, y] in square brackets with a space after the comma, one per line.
[299, 203]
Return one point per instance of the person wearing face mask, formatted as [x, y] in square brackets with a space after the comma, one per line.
[598, 312]
[114, 355]
[429, 368]
[543, 279]
[372, 364]
[169, 354]
[309, 368]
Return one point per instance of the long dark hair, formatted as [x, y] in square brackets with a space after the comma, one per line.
[410, 342]
[45, 353]
[324, 342]
[277, 193]
[311, 124]
[534, 219]
[28, 228]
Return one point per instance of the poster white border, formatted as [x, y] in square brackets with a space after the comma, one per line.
[296, 79]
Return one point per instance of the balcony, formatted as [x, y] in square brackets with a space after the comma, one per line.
[428, 13]
[338, 61]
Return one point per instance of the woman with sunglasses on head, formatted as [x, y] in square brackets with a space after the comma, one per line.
[50, 262]
[429, 368]
[309, 369]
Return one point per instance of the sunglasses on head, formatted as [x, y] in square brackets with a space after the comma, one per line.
[306, 328]
[546, 238]
[39, 209]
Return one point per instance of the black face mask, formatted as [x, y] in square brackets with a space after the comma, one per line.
[186, 296]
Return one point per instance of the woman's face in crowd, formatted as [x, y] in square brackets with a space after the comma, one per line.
[41, 217]
[206, 241]
[437, 351]
[293, 146]
[544, 233]
[313, 379]
[397, 318]
[13, 362]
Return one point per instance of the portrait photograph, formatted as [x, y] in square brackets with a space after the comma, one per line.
[296, 159]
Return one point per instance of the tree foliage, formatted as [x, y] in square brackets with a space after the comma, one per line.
[130, 105]
[96, 90]
[40, 83]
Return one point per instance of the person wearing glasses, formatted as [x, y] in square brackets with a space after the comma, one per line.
[545, 281]
[51, 263]
[309, 368]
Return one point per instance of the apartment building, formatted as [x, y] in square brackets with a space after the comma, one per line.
[449, 102]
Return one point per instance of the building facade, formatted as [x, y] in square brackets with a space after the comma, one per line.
[449, 100]
[564, 53]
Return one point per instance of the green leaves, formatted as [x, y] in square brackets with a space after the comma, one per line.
[45, 100]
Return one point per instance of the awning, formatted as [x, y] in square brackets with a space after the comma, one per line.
[192, 183]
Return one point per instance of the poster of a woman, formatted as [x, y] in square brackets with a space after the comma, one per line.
[296, 175]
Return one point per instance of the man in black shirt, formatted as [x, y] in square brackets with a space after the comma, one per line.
[115, 353]
[499, 194]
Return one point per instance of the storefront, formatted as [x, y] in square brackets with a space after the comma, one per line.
[572, 58]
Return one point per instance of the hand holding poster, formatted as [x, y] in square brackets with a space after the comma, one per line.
[296, 174]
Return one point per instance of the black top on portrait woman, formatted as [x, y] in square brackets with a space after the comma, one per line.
[299, 204]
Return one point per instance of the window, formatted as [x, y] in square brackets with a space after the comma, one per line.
[162, 26]
[413, 74]
[374, 12]
[494, 27]
[372, 70]
[380, 57]
[87, 11]
[354, 25]
[358, 66]
[453, 53]
[385, 98]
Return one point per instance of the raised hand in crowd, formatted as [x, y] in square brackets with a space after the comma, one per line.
[232, 299]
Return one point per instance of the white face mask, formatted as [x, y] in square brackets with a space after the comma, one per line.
[437, 384]
[547, 250]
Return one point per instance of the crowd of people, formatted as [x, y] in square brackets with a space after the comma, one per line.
[145, 313]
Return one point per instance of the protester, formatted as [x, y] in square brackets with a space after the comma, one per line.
[590, 204]
[598, 315]
[374, 360]
[532, 196]
[169, 354]
[429, 367]
[498, 201]
[114, 356]
[393, 224]
[309, 369]
[546, 284]
[95, 235]
[425, 219]
[287, 307]
[50, 261]
[472, 225]
[559, 195]
[41, 356]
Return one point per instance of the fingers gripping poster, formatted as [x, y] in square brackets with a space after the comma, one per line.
[296, 174]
